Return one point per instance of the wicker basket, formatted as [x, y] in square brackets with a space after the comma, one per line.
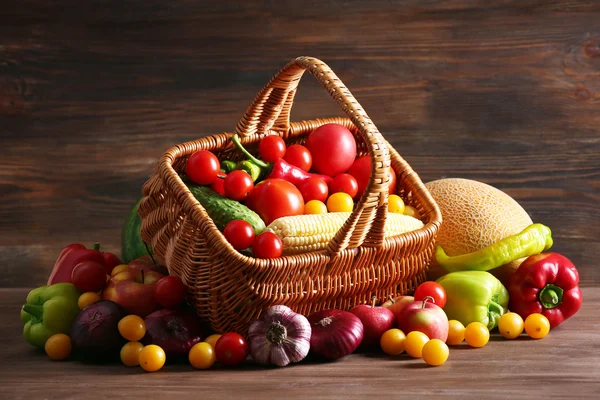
[228, 289]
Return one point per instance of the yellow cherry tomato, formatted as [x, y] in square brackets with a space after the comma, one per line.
[58, 346]
[119, 268]
[537, 325]
[412, 212]
[152, 358]
[212, 339]
[315, 207]
[435, 352]
[340, 202]
[392, 342]
[456, 332]
[414, 343]
[202, 355]
[130, 353]
[511, 325]
[132, 328]
[87, 298]
[395, 204]
[477, 334]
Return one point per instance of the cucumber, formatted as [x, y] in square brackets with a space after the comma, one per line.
[132, 245]
[223, 210]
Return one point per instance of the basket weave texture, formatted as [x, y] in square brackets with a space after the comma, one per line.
[230, 290]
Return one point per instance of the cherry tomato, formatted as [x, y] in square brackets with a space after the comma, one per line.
[435, 352]
[202, 167]
[274, 198]
[361, 171]
[433, 289]
[511, 325]
[315, 207]
[537, 325]
[298, 156]
[86, 299]
[239, 233]
[119, 268]
[414, 343]
[477, 334]
[132, 328]
[456, 332]
[333, 149]
[58, 346]
[231, 349]
[392, 342]
[238, 184]
[271, 148]
[152, 358]
[345, 183]
[88, 276]
[393, 181]
[412, 212]
[170, 291]
[395, 204]
[340, 202]
[130, 353]
[212, 339]
[202, 355]
[219, 184]
[267, 245]
[314, 188]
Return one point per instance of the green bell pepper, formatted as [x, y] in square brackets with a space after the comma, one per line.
[49, 310]
[474, 296]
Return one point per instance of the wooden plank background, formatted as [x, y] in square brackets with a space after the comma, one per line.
[92, 93]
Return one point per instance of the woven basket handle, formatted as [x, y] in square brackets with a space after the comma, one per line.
[270, 110]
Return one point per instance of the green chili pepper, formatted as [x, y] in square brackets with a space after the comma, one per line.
[252, 169]
[227, 166]
[532, 240]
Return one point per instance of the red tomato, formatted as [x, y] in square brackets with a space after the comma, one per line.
[88, 276]
[333, 149]
[238, 184]
[239, 233]
[433, 289]
[231, 349]
[219, 184]
[267, 245]
[361, 171]
[299, 156]
[274, 198]
[170, 291]
[345, 183]
[314, 189]
[202, 167]
[271, 148]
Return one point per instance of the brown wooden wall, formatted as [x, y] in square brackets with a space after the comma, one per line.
[92, 93]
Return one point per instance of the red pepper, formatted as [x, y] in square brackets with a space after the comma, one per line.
[73, 254]
[545, 283]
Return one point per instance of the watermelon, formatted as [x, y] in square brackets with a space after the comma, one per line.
[132, 245]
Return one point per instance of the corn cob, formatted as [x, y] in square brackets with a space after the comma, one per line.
[304, 233]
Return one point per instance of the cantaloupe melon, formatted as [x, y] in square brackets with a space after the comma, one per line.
[474, 215]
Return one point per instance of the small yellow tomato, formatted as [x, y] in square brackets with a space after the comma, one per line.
[414, 343]
[152, 358]
[435, 352]
[87, 298]
[58, 346]
[212, 339]
[202, 355]
[395, 204]
[412, 212]
[340, 202]
[132, 327]
[456, 332]
[511, 325]
[392, 342]
[315, 207]
[537, 325]
[477, 334]
[130, 353]
[119, 268]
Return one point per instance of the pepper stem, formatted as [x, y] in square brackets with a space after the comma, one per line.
[236, 140]
[276, 333]
[495, 311]
[36, 310]
[96, 246]
[551, 296]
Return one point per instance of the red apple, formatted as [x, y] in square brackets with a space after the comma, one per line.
[148, 264]
[396, 304]
[375, 320]
[134, 291]
[426, 317]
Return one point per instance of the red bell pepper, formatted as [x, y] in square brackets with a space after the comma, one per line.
[545, 283]
[73, 254]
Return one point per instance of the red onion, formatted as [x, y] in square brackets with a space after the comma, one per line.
[176, 331]
[335, 333]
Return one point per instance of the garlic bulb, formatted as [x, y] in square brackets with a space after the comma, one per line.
[279, 337]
